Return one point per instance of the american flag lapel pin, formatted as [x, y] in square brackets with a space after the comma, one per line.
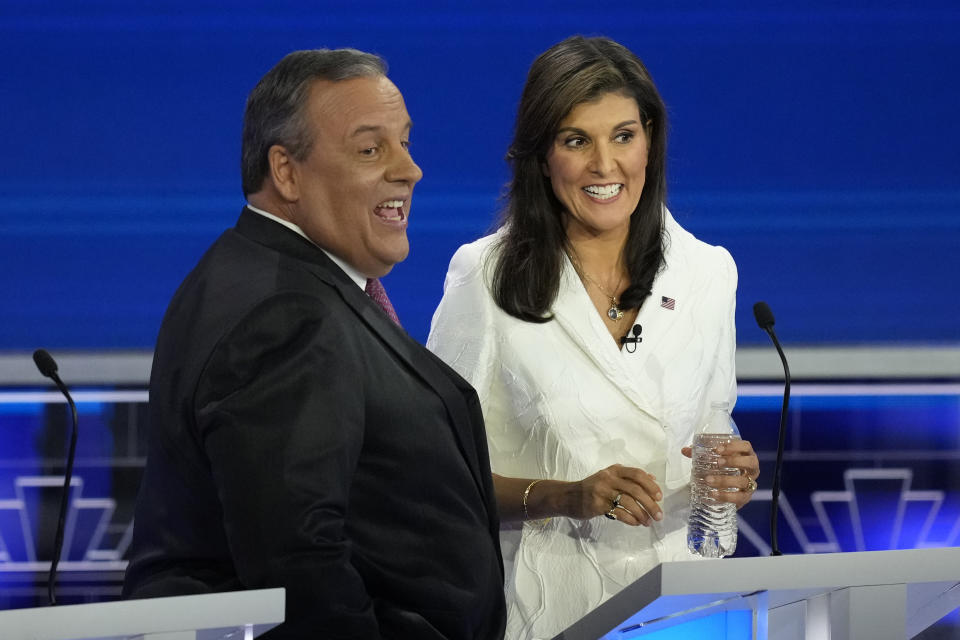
[667, 303]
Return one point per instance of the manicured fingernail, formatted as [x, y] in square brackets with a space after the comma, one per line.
[721, 461]
[658, 496]
[658, 516]
[721, 449]
[711, 480]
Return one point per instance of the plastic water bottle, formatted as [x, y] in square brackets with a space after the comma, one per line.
[712, 528]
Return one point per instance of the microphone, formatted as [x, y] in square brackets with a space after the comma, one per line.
[625, 341]
[48, 367]
[764, 317]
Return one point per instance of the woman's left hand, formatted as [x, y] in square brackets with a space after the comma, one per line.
[738, 454]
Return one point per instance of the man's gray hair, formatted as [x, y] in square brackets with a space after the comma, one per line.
[276, 108]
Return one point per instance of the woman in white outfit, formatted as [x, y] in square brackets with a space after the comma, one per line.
[588, 435]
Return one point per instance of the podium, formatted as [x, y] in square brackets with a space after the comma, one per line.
[875, 595]
[238, 615]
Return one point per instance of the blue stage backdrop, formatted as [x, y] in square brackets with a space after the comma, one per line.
[820, 144]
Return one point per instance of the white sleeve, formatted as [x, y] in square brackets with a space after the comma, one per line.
[462, 333]
[723, 383]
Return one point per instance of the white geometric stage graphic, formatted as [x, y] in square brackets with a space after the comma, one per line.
[876, 510]
[84, 528]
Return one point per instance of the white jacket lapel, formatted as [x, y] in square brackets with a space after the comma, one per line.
[575, 314]
[671, 292]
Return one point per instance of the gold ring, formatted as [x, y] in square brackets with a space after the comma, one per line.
[610, 514]
[751, 484]
[616, 501]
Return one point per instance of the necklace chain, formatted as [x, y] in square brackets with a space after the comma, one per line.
[614, 312]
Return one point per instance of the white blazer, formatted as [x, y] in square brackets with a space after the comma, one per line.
[562, 401]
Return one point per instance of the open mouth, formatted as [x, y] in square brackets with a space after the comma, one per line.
[391, 210]
[603, 191]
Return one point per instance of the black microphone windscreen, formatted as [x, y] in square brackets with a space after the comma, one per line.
[637, 330]
[45, 362]
[761, 311]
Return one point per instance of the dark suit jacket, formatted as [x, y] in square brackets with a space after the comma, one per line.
[300, 439]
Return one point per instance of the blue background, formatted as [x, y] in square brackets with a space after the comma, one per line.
[818, 141]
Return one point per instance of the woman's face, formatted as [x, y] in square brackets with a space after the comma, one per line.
[597, 165]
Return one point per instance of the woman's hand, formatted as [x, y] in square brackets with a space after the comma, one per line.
[740, 455]
[627, 494]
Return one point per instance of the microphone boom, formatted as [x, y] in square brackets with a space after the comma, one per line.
[48, 367]
[764, 317]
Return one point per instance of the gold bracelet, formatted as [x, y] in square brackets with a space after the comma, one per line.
[526, 494]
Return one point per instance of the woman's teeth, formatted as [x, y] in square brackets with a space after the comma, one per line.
[603, 192]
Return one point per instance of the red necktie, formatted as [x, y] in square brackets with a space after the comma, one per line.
[379, 295]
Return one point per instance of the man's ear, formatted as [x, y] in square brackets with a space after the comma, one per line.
[283, 173]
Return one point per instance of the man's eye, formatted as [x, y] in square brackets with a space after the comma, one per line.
[369, 151]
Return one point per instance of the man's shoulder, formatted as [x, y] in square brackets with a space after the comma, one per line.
[238, 281]
[239, 268]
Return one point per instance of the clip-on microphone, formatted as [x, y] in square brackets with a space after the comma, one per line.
[626, 341]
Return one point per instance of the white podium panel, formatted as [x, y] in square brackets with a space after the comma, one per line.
[238, 615]
[878, 595]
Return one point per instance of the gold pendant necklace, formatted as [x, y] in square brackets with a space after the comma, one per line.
[614, 312]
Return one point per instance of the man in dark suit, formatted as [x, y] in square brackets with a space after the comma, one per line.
[299, 437]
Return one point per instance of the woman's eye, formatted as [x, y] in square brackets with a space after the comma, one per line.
[624, 136]
[575, 142]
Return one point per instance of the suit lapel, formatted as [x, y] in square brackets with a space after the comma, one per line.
[419, 361]
[267, 232]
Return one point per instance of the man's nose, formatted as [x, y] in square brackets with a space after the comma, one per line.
[404, 169]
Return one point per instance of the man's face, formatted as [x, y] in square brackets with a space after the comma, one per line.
[355, 187]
